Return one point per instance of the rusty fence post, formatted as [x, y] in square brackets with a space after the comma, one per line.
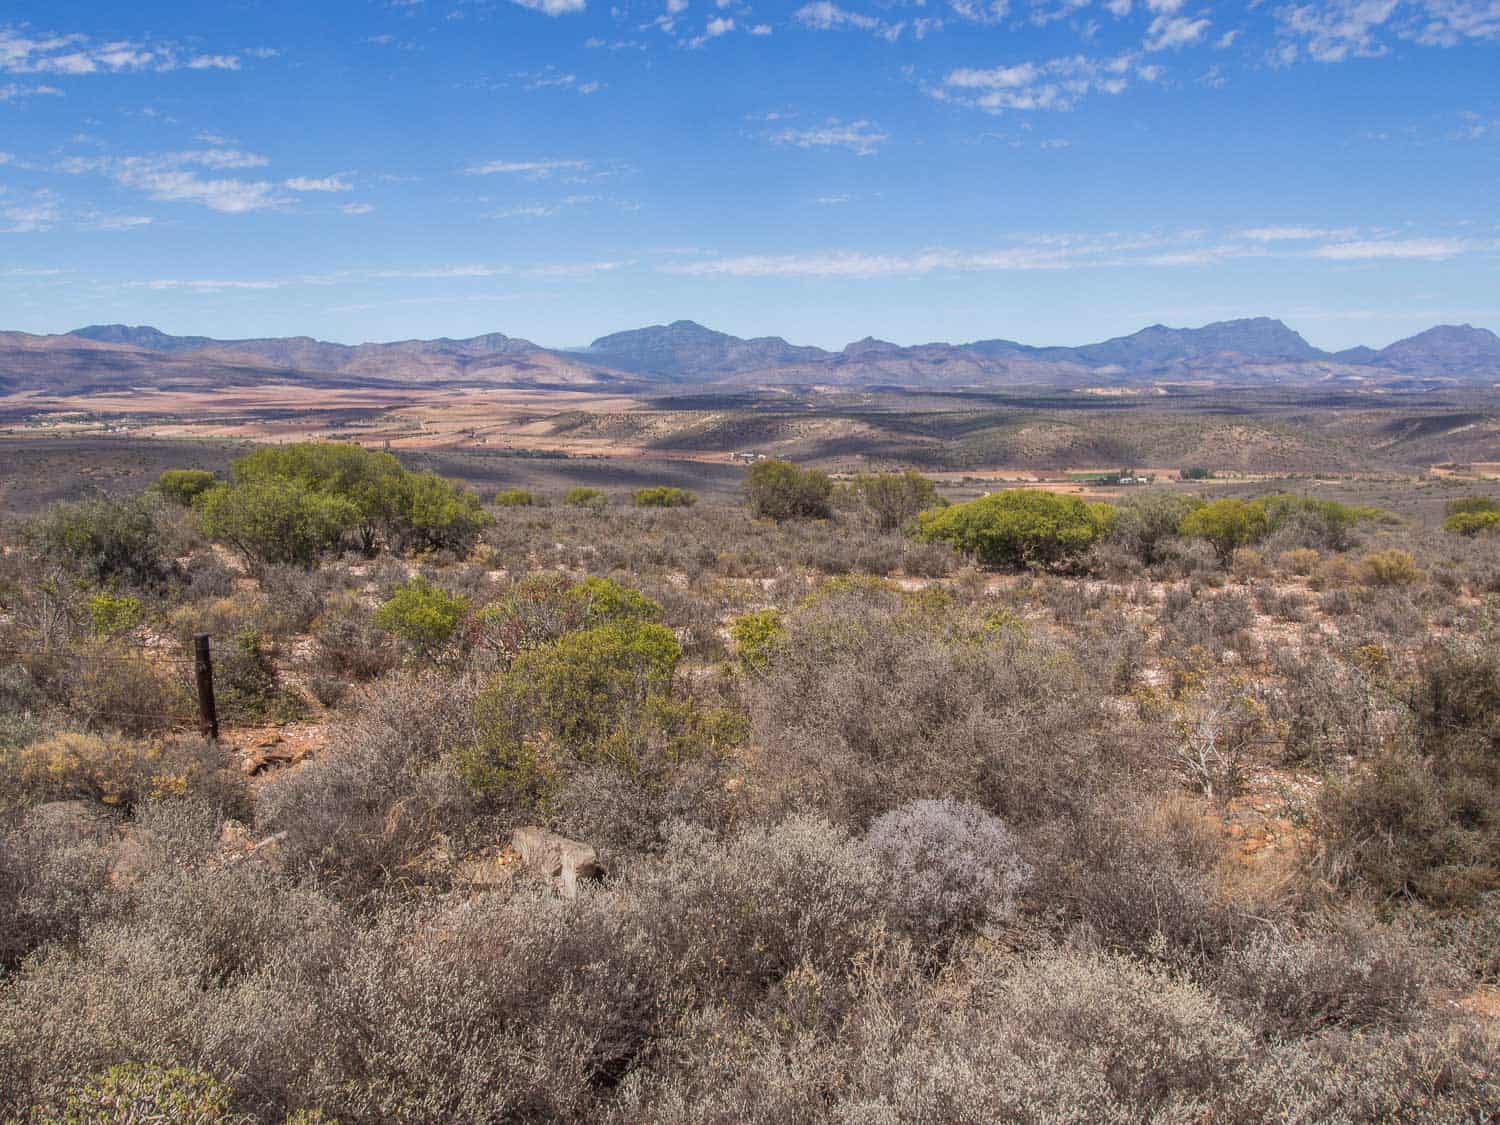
[203, 667]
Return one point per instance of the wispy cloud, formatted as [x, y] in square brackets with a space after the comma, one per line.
[860, 137]
[531, 169]
[14, 92]
[357, 208]
[823, 15]
[1056, 84]
[23, 52]
[339, 182]
[173, 177]
[1418, 249]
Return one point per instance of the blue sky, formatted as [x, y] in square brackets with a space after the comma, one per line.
[1052, 171]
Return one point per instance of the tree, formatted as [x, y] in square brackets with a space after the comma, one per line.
[779, 490]
[895, 499]
[438, 515]
[664, 497]
[1019, 527]
[276, 520]
[183, 486]
[1227, 525]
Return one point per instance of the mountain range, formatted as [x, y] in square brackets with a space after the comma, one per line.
[1250, 352]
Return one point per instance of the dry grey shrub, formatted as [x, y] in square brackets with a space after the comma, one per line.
[734, 916]
[871, 704]
[946, 866]
[52, 877]
[1356, 974]
[381, 793]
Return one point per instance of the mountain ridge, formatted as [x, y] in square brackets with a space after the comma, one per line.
[1251, 351]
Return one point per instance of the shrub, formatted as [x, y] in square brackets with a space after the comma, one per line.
[423, 615]
[108, 540]
[515, 498]
[585, 497]
[348, 643]
[119, 772]
[1389, 568]
[779, 490]
[114, 614]
[1196, 473]
[1144, 524]
[1472, 522]
[183, 486]
[945, 867]
[135, 1092]
[247, 686]
[1469, 505]
[664, 497]
[895, 499]
[1304, 521]
[114, 688]
[276, 520]
[1227, 525]
[568, 697]
[362, 811]
[1019, 527]
[755, 636]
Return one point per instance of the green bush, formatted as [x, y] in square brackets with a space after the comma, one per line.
[515, 498]
[664, 497]
[133, 1092]
[438, 515]
[423, 615]
[276, 520]
[779, 490]
[1197, 473]
[1019, 527]
[1472, 522]
[1227, 525]
[1389, 568]
[247, 686]
[114, 613]
[108, 540]
[1144, 524]
[755, 636]
[183, 486]
[895, 499]
[1471, 505]
[568, 700]
[585, 497]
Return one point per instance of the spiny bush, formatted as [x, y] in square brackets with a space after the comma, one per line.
[895, 499]
[1019, 527]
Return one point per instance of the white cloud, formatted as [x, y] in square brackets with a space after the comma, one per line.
[823, 15]
[11, 92]
[204, 286]
[1420, 249]
[170, 177]
[717, 27]
[833, 200]
[1333, 31]
[339, 182]
[357, 208]
[1170, 33]
[1057, 84]
[531, 169]
[1291, 234]
[761, 29]
[553, 7]
[525, 211]
[860, 137]
[23, 52]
